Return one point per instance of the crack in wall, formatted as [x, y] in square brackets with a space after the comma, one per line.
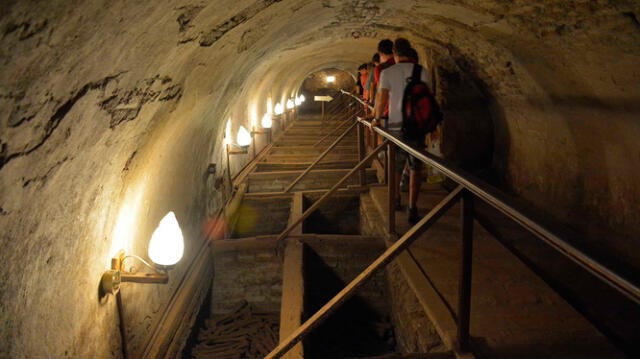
[188, 13]
[209, 38]
[43, 179]
[54, 121]
[25, 29]
[124, 106]
[127, 164]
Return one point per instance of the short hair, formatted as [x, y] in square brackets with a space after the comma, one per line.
[376, 57]
[362, 67]
[385, 47]
[402, 47]
[413, 55]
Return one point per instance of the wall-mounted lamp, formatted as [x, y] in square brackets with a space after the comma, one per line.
[302, 98]
[243, 139]
[267, 121]
[279, 109]
[165, 249]
[290, 104]
[266, 124]
[331, 79]
[298, 101]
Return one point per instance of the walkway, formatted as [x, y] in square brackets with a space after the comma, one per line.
[514, 313]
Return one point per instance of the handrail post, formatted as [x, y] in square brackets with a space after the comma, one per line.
[385, 258]
[464, 292]
[391, 186]
[361, 153]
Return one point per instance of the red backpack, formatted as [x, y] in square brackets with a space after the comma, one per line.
[420, 112]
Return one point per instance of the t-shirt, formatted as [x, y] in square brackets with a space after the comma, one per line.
[369, 84]
[394, 79]
[378, 70]
[363, 80]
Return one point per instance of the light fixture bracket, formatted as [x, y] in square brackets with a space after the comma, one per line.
[243, 149]
[112, 278]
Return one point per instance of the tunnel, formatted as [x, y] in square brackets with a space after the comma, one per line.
[113, 114]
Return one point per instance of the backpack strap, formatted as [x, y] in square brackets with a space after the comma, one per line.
[417, 71]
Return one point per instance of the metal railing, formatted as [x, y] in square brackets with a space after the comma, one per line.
[468, 190]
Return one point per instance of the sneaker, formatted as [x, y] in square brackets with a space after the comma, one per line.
[412, 213]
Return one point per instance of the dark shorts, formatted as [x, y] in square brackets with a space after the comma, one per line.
[403, 157]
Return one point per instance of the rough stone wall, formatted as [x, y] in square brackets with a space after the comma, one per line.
[253, 275]
[110, 113]
[414, 332]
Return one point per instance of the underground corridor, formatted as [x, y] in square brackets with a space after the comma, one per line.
[203, 179]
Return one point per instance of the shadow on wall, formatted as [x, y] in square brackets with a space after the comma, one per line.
[356, 329]
[468, 132]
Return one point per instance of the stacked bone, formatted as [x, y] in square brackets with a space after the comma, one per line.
[241, 334]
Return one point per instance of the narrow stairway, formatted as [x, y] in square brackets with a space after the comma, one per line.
[264, 289]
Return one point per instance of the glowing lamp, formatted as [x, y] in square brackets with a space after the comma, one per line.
[298, 101]
[331, 79]
[167, 245]
[279, 109]
[266, 122]
[165, 249]
[243, 138]
[302, 98]
[290, 104]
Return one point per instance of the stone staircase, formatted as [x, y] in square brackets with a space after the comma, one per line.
[402, 312]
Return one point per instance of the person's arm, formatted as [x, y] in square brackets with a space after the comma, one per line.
[382, 100]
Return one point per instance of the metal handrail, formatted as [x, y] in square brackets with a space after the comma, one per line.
[499, 201]
[320, 157]
[333, 130]
[331, 191]
[349, 290]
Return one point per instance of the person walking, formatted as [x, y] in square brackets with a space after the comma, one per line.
[393, 81]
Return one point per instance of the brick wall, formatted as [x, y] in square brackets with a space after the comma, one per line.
[414, 332]
[254, 275]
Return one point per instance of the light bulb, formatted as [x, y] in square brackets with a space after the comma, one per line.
[279, 109]
[302, 98]
[267, 122]
[290, 104]
[244, 137]
[298, 101]
[331, 79]
[166, 245]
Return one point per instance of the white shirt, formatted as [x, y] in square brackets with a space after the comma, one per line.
[394, 79]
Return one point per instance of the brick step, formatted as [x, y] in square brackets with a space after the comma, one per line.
[259, 216]
[316, 133]
[283, 158]
[309, 150]
[316, 179]
[312, 140]
[309, 143]
[269, 167]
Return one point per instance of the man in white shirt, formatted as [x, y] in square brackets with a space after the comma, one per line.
[393, 81]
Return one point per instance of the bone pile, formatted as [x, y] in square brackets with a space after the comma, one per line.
[241, 334]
